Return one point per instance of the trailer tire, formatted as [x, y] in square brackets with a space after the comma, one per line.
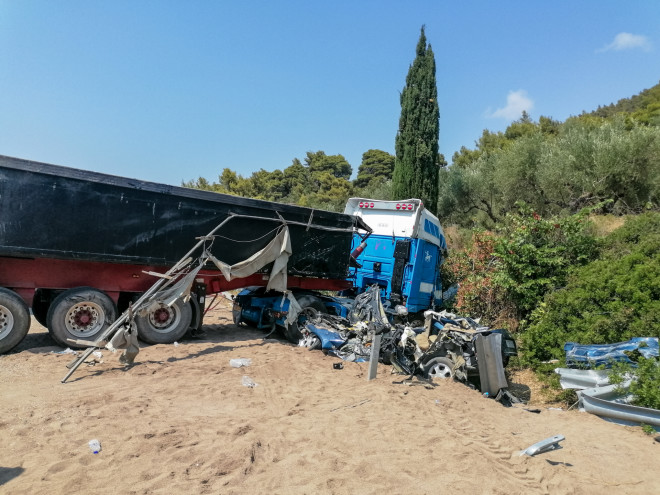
[166, 324]
[82, 313]
[292, 332]
[14, 320]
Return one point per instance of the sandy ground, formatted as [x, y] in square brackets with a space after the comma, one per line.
[180, 421]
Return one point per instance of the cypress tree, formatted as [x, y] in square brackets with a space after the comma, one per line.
[416, 167]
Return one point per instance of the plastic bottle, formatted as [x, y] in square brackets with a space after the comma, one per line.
[95, 446]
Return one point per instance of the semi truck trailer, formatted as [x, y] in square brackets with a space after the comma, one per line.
[77, 247]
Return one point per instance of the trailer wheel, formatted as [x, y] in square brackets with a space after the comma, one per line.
[166, 324]
[309, 305]
[82, 313]
[439, 367]
[14, 320]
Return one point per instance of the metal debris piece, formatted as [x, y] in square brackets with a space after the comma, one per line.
[491, 369]
[613, 405]
[546, 445]
[580, 379]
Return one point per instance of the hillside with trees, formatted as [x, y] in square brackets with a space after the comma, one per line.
[526, 212]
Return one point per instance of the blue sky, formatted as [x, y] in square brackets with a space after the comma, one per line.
[173, 90]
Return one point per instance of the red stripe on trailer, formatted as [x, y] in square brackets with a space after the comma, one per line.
[24, 275]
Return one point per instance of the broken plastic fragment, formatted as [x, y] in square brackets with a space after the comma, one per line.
[237, 363]
[546, 445]
[248, 382]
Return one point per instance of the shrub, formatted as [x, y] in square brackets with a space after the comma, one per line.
[473, 268]
[609, 300]
[535, 254]
[644, 386]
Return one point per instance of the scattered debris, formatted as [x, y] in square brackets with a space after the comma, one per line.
[595, 394]
[593, 355]
[613, 404]
[580, 379]
[68, 350]
[94, 446]
[248, 382]
[240, 362]
[546, 445]
[337, 366]
[446, 346]
[351, 406]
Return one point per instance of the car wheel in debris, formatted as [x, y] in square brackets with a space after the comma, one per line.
[14, 319]
[439, 367]
[309, 305]
[82, 313]
[164, 324]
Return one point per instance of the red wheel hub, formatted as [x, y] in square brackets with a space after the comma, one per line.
[161, 315]
[83, 318]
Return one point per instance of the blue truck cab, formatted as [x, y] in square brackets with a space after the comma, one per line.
[402, 255]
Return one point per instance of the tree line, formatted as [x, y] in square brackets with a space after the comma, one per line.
[318, 181]
[555, 167]
[525, 246]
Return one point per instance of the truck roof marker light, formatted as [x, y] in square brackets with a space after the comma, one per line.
[410, 207]
[361, 204]
[398, 206]
[371, 205]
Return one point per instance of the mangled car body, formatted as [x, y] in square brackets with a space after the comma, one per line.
[447, 346]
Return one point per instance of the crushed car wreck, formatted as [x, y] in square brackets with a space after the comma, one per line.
[446, 347]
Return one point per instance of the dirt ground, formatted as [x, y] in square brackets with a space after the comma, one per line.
[181, 421]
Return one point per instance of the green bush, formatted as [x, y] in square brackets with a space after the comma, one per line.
[609, 300]
[535, 254]
[645, 385]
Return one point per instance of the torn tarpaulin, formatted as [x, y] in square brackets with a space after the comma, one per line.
[180, 290]
[277, 252]
[126, 338]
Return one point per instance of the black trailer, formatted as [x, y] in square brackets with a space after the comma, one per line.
[81, 240]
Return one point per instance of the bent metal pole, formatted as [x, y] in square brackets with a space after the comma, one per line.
[160, 283]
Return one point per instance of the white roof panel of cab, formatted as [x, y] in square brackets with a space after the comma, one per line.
[406, 218]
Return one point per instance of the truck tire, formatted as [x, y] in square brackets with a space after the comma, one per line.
[14, 320]
[82, 313]
[166, 324]
[292, 332]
